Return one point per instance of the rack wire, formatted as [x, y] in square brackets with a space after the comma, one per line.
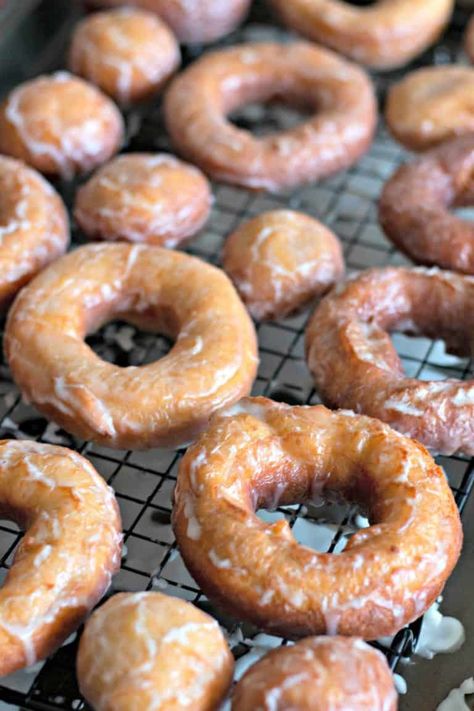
[144, 481]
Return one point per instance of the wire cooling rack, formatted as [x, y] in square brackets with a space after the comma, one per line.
[144, 481]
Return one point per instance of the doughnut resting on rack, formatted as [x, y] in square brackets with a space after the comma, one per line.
[262, 454]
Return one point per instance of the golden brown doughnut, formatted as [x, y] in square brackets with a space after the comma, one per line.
[430, 105]
[386, 35]
[261, 454]
[280, 260]
[149, 651]
[130, 54]
[34, 227]
[212, 363]
[469, 39]
[415, 206]
[318, 674]
[60, 124]
[70, 550]
[355, 365]
[341, 129]
[144, 197]
[192, 21]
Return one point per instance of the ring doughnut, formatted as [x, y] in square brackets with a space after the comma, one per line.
[430, 105]
[415, 202]
[192, 21]
[341, 129]
[144, 197]
[261, 454]
[60, 125]
[130, 54]
[386, 35]
[355, 365]
[212, 363]
[469, 39]
[150, 651]
[34, 227]
[280, 260]
[70, 550]
[318, 674]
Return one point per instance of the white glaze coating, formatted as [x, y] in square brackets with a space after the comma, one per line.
[455, 701]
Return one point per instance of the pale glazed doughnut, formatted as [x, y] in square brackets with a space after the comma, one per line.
[144, 197]
[431, 105]
[415, 206]
[318, 674]
[212, 363]
[355, 365]
[150, 651]
[469, 39]
[386, 35]
[280, 260]
[130, 54]
[70, 550]
[60, 124]
[261, 454]
[34, 227]
[341, 129]
[192, 21]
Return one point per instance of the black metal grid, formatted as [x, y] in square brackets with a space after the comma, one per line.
[143, 481]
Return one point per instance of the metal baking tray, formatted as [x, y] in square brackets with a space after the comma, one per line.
[144, 481]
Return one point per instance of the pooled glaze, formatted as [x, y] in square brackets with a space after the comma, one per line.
[455, 699]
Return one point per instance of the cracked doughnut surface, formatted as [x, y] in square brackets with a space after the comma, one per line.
[149, 651]
[70, 550]
[355, 364]
[129, 53]
[280, 260]
[212, 363]
[318, 674]
[430, 105]
[34, 228]
[338, 94]
[414, 208]
[60, 125]
[144, 197]
[386, 35]
[262, 454]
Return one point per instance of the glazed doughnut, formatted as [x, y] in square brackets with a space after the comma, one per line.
[144, 197]
[386, 35]
[262, 454]
[192, 21]
[319, 674]
[70, 550]
[415, 202]
[150, 651]
[280, 260]
[338, 93]
[212, 363]
[469, 39]
[355, 365]
[130, 54]
[34, 227]
[60, 124]
[431, 105]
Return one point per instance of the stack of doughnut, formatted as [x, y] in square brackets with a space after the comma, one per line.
[151, 651]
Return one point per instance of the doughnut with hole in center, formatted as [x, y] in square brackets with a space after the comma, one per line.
[414, 208]
[386, 35]
[130, 54]
[338, 94]
[149, 651]
[280, 260]
[34, 228]
[144, 197]
[430, 105]
[319, 674]
[71, 548]
[60, 125]
[469, 39]
[262, 454]
[355, 364]
[212, 363]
